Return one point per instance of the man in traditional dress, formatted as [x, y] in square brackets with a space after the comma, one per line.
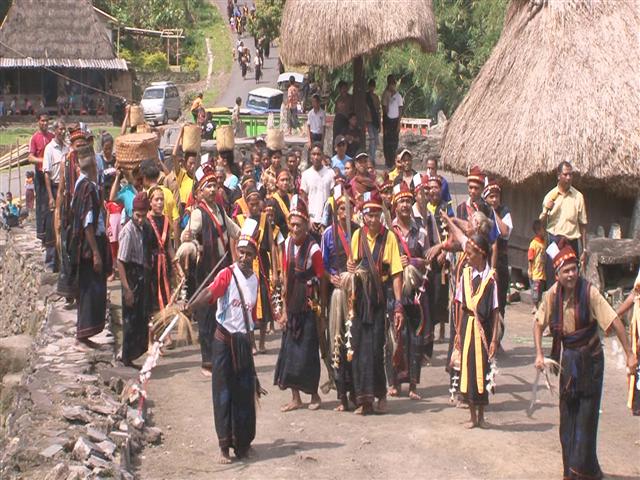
[575, 309]
[502, 228]
[131, 258]
[234, 385]
[267, 259]
[474, 202]
[633, 301]
[210, 234]
[336, 249]
[279, 201]
[376, 263]
[88, 250]
[405, 345]
[298, 366]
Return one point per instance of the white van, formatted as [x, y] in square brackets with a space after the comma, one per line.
[161, 102]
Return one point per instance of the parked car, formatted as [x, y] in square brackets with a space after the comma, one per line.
[283, 80]
[161, 102]
[264, 100]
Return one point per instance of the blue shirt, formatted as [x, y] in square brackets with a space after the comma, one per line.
[446, 195]
[100, 227]
[125, 197]
[337, 163]
[328, 246]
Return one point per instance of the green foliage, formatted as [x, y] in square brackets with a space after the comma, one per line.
[267, 19]
[154, 62]
[190, 64]
[127, 55]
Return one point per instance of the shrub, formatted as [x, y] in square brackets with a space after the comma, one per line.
[190, 63]
[154, 62]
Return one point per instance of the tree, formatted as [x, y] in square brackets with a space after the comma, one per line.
[266, 22]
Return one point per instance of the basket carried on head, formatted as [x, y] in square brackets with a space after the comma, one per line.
[275, 139]
[136, 116]
[191, 138]
[224, 138]
[133, 148]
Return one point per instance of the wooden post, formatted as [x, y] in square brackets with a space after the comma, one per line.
[10, 165]
[19, 174]
[118, 42]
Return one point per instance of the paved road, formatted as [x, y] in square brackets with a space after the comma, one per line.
[239, 87]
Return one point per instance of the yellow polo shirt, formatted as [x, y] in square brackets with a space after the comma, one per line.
[185, 185]
[390, 256]
[567, 214]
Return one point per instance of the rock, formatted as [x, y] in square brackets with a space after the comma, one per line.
[83, 449]
[119, 437]
[116, 384]
[86, 378]
[102, 408]
[95, 435]
[94, 461]
[59, 472]
[14, 351]
[134, 418]
[78, 472]
[51, 450]
[76, 414]
[107, 447]
[153, 435]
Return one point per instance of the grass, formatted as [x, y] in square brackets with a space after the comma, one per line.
[213, 26]
[22, 134]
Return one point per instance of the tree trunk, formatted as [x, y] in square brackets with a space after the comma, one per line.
[359, 89]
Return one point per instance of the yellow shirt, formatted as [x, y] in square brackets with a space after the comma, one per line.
[170, 206]
[393, 174]
[567, 214]
[185, 185]
[390, 256]
[600, 310]
[536, 256]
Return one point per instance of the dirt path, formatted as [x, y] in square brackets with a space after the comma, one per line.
[414, 439]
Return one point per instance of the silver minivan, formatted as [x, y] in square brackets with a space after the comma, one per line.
[161, 102]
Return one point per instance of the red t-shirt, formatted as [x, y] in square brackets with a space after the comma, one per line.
[37, 143]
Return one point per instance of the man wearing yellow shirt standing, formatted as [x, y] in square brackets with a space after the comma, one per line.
[378, 268]
[150, 174]
[565, 215]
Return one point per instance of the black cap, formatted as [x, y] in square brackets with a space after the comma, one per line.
[340, 139]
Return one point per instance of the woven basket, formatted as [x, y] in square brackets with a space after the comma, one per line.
[224, 138]
[133, 148]
[275, 139]
[191, 138]
[136, 116]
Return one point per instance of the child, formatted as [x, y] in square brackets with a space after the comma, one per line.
[537, 278]
[29, 191]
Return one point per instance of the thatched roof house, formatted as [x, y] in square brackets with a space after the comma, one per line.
[562, 83]
[333, 32]
[65, 35]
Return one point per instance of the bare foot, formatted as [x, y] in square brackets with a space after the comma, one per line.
[111, 277]
[315, 402]
[255, 351]
[293, 405]
[470, 425]
[392, 392]
[224, 458]
[381, 407]
[205, 372]
[414, 395]
[340, 408]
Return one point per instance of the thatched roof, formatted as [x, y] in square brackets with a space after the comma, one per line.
[56, 33]
[561, 84]
[332, 32]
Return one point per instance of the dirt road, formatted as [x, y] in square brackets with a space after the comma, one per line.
[415, 439]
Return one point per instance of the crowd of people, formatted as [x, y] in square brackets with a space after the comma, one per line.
[361, 272]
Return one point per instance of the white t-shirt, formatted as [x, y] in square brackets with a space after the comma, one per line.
[53, 159]
[317, 184]
[316, 121]
[225, 289]
[393, 102]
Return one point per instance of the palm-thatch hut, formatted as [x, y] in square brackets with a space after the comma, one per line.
[66, 36]
[562, 83]
[333, 32]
